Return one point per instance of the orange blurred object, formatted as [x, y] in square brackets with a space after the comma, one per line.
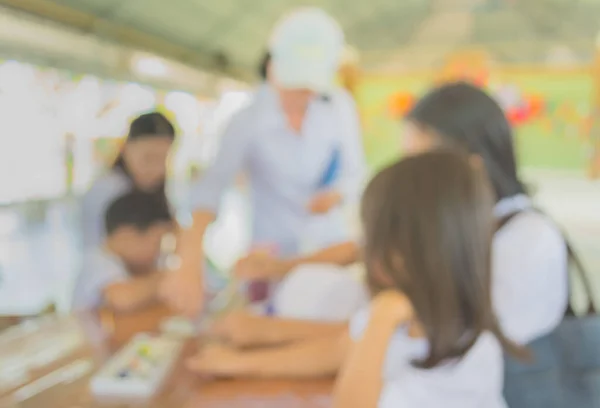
[481, 79]
[536, 105]
[471, 65]
[400, 104]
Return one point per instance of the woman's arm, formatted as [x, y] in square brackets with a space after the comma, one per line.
[262, 266]
[245, 330]
[280, 331]
[183, 290]
[342, 254]
[319, 357]
[360, 382]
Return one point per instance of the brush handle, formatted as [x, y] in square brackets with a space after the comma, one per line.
[331, 171]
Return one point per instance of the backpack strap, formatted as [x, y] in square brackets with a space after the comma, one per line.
[505, 220]
[573, 260]
[576, 264]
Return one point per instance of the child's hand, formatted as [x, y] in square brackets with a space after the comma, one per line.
[216, 360]
[392, 305]
[324, 201]
[240, 329]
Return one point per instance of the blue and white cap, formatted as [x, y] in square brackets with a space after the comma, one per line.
[306, 49]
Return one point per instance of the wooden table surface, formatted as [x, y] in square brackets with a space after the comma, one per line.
[39, 371]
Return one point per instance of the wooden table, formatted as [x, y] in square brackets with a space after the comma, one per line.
[61, 380]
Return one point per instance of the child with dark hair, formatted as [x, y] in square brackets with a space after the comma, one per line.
[140, 166]
[429, 337]
[121, 273]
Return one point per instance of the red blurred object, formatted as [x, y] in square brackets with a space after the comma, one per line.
[533, 107]
[518, 115]
[260, 290]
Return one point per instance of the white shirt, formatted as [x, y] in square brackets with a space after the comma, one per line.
[475, 381]
[96, 201]
[100, 269]
[530, 281]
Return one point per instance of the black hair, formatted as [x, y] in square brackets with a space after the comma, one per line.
[263, 66]
[136, 209]
[148, 125]
[466, 117]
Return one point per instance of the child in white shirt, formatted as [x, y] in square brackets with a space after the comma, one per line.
[429, 337]
[121, 273]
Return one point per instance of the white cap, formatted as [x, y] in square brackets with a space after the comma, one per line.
[306, 48]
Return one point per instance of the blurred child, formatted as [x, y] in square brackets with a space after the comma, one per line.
[121, 273]
[429, 338]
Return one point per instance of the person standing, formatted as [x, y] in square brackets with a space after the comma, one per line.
[302, 159]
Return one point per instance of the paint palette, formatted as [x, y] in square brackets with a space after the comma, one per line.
[139, 369]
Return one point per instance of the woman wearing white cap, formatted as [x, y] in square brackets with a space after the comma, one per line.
[301, 158]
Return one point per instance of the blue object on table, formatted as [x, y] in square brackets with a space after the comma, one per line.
[332, 169]
[270, 308]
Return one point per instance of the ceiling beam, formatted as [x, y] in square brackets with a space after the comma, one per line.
[121, 34]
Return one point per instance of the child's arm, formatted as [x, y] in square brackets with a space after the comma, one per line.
[133, 293]
[243, 330]
[261, 266]
[360, 382]
[320, 357]
[342, 254]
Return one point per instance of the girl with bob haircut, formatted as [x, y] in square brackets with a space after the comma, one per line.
[429, 337]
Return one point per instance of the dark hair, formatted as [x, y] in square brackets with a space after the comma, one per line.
[428, 226]
[148, 125]
[136, 209]
[263, 66]
[468, 118]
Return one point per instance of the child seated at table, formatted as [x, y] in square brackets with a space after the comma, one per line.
[121, 273]
[430, 337]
